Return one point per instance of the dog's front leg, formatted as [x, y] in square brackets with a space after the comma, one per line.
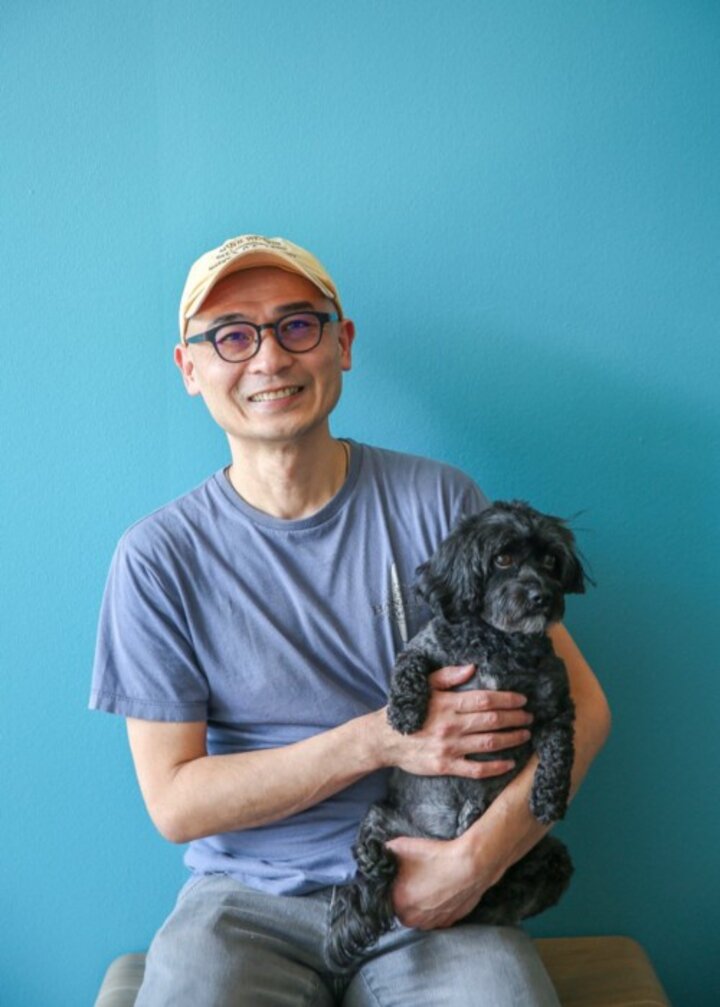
[410, 691]
[553, 743]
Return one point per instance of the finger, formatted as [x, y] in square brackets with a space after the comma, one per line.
[403, 845]
[475, 700]
[494, 741]
[493, 720]
[480, 770]
[448, 678]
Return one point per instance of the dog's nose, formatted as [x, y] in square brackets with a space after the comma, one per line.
[538, 597]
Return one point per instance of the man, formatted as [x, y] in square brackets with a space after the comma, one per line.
[247, 633]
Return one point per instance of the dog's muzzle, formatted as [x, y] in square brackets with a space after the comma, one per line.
[539, 599]
[525, 605]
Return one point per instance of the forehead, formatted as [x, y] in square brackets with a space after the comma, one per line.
[261, 289]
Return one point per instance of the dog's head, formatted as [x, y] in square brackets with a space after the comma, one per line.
[508, 565]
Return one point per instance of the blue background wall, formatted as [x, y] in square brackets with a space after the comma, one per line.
[520, 202]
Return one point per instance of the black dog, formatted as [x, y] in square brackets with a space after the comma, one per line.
[494, 585]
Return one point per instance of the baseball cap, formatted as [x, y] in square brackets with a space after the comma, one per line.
[245, 252]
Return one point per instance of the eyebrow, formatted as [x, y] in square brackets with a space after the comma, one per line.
[280, 309]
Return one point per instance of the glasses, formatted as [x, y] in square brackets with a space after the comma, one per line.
[296, 333]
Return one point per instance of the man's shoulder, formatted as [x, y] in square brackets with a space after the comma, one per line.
[173, 523]
[416, 469]
[391, 460]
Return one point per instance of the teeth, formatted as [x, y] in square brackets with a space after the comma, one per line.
[281, 393]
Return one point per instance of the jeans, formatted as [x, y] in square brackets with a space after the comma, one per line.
[226, 945]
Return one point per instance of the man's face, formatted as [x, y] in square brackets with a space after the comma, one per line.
[305, 386]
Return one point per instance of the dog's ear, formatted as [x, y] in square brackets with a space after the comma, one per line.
[452, 581]
[573, 575]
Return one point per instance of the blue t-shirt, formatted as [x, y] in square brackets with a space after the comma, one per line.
[272, 631]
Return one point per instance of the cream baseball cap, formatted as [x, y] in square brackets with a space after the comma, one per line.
[245, 252]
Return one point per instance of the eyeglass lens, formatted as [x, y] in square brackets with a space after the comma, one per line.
[296, 333]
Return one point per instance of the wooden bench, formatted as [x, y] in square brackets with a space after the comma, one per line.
[601, 972]
[586, 971]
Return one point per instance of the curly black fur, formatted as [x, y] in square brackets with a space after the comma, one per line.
[494, 585]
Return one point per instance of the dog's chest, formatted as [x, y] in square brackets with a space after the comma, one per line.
[503, 661]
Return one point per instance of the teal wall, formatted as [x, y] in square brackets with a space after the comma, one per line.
[520, 202]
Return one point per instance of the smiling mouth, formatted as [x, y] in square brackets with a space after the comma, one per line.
[277, 393]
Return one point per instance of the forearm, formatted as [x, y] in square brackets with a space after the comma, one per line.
[206, 795]
[190, 794]
[508, 829]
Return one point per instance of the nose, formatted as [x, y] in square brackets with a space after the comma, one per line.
[538, 597]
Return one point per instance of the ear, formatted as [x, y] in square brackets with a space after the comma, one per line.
[345, 341]
[573, 572]
[574, 581]
[186, 366]
[452, 580]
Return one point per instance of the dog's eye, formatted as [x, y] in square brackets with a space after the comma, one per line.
[503, 561]
[549, 561]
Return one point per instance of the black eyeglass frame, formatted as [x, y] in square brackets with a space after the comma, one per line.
[210, 336]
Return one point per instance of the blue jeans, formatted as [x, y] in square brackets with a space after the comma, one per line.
[226, 945]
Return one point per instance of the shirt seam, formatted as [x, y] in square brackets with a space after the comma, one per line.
[100, 693]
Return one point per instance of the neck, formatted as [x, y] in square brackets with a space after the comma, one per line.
[289, 480]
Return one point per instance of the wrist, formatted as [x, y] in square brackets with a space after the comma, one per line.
[484, 863]
[501, 836]
[375, 741]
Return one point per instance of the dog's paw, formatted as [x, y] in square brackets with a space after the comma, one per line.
[375, 861]
[547, 811]
[409, 694]
[406, 717]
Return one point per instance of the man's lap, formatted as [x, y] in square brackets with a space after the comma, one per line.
[226, 945]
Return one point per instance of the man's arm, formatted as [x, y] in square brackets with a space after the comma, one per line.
[190, 794]
[440, 882]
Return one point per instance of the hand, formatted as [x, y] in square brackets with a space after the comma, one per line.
[460, 724]
[437, 882]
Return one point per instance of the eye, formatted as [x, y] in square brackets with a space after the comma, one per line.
[298, 323]
[549, 561]
[503, 561]
[235, 337]
[300, 332]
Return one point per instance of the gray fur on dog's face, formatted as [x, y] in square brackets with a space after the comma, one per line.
[509, 565]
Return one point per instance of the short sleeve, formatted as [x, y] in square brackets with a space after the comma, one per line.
[145, 665]
[471, 500]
